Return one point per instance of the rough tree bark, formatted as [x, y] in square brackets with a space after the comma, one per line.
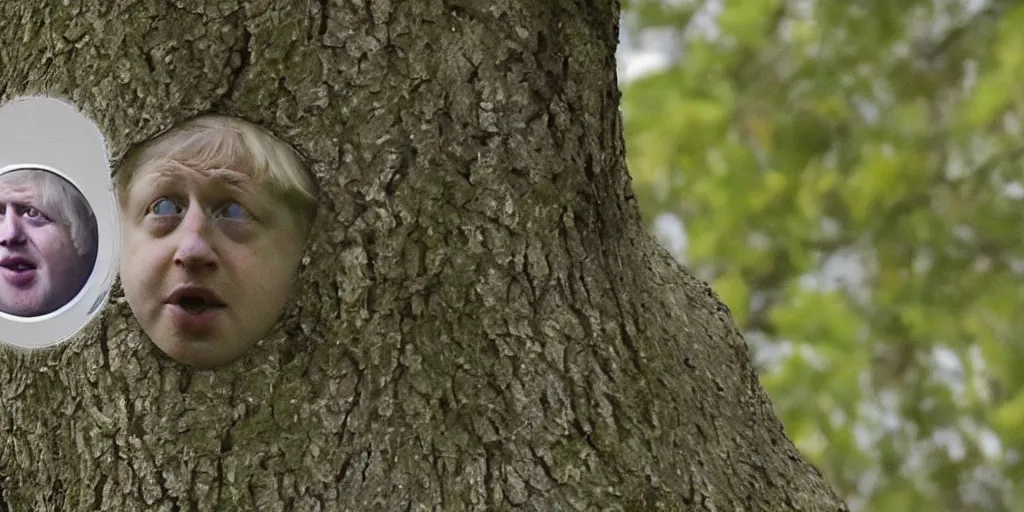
[483, 322]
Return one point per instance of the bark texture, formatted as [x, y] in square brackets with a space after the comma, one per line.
[483, 321]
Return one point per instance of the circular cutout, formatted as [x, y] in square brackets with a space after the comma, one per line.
[59, 231]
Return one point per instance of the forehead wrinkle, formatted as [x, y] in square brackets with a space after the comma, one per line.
[154, 174]
[17, 194]
[172, 170]
[14, 190]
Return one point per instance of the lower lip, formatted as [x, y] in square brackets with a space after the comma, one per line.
[194, 323]
[18, 278]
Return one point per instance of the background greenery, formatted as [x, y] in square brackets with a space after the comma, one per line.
[849, 178]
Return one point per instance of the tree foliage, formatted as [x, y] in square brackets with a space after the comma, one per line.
[849, 176]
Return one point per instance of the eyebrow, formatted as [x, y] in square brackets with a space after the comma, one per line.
[170, 171]
[231, 178]
[23, 200]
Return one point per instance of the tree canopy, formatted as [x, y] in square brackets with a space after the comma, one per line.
[849, 179]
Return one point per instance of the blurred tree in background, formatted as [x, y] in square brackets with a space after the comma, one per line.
[849, 175]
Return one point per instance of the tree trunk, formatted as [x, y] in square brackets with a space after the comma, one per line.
[483, 321]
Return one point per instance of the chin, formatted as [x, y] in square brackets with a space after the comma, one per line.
[206, 361]
[202, 355]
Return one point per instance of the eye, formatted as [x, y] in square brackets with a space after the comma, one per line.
[165, 207]
[31, 213]
[232, 211]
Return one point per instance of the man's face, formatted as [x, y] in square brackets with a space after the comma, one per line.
[208, 262]
[40, 270]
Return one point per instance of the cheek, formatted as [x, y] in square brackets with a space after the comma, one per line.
[139, 266]
[270, 275]
[56, 247]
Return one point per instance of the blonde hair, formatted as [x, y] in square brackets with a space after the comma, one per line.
[215, 141]
[61, 201]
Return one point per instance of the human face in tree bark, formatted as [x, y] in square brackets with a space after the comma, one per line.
[40, 268]
[209, 260]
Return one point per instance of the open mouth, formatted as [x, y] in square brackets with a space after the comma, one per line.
[17, 264]
[194, 305]
[195, 300]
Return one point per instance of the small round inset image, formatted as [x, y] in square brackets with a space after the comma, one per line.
[48, 242]
[59, 228]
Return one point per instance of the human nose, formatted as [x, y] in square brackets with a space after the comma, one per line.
[195, 252]
[12, 233]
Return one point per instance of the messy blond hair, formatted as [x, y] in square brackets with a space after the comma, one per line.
[216, 141]
[58, 199]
